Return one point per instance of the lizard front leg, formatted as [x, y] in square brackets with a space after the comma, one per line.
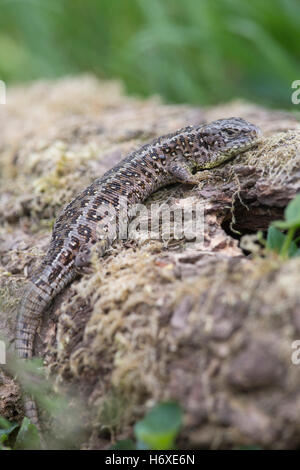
[181, 170]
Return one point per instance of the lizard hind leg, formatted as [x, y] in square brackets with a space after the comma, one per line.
[83, 259]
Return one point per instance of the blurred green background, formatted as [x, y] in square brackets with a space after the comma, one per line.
[197, 51]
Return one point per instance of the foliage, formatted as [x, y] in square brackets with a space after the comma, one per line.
[65, 410]
[27, 436]
[286, 244]
[157, 431]
[6, 429]
[193, 51]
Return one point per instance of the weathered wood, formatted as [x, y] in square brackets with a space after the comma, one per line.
[210, 326]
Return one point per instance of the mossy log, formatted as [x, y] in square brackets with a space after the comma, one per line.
[210, 325]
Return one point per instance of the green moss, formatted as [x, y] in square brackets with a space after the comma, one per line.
[8, 299]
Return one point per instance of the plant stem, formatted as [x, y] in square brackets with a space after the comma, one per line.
[284, 252]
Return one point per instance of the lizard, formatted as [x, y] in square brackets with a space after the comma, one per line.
[172, 158]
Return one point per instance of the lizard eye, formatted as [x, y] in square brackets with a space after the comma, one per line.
[229, 131]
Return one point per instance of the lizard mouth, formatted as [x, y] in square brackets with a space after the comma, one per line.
[223, 157]
[249, 145]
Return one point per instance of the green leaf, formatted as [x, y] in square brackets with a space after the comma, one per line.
[282, 224]
[4, 423]
[275, 239]
[296, 253]
[293, 249]
[126, 444]
[292, 211]
[159, 429]
[6, 429]
[28, 436]
[292, 215]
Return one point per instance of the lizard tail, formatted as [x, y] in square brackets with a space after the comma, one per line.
[32, 306]
[31, 410]
[38, 295]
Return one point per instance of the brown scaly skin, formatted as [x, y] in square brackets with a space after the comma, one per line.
[83, 222]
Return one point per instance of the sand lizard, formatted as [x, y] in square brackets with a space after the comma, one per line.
[171, 158]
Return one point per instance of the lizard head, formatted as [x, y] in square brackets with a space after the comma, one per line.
[221, 140]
